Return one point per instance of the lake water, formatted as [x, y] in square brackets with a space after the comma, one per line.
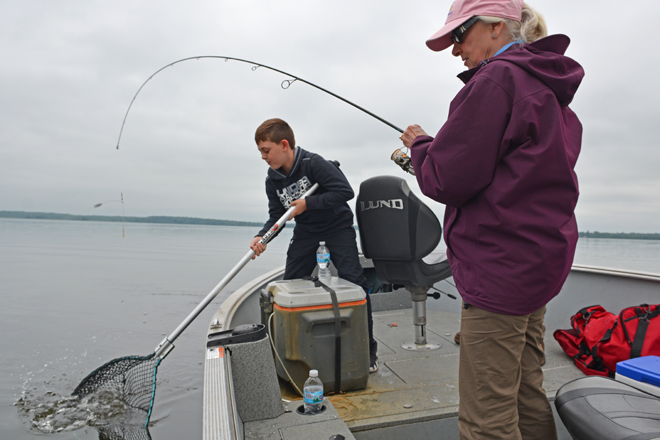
[77, 294]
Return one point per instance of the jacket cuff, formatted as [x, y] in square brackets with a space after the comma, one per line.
[419, 141]
[418, 149]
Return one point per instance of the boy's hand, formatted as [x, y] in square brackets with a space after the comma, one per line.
[257, 247]
[300, 207]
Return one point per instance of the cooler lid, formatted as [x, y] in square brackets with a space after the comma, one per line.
[302, 293]
[643, 369]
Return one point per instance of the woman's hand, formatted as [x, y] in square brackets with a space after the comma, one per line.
[411, 133]
[300, 206]
[257, 247]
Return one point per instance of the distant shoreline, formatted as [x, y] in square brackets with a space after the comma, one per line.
[629, 235]
[107, 218]
[214, 222]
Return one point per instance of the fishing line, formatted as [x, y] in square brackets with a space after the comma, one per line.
[285, 85]
[98, 205]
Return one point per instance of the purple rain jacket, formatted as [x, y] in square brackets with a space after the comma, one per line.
[503, 164]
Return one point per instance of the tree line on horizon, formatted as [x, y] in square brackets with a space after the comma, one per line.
[629, 235]
[215, 222]
[115, 218]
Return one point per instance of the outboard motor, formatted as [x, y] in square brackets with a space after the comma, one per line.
[396, 231]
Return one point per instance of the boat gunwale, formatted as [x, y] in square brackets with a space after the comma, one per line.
[625, 273]
[225, 313]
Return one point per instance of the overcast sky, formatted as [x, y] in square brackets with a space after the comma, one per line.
[71, 67]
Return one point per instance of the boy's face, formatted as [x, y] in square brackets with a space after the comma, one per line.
[275, 155]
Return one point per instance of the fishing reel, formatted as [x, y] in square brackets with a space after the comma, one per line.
[403, 160]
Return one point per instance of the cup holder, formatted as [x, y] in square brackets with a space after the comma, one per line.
[301, 411]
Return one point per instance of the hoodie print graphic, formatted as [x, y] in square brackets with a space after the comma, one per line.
[294, 191]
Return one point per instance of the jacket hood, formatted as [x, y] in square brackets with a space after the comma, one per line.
[545, 60]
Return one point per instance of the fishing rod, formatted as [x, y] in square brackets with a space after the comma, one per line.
[285, 85]
[399, 157]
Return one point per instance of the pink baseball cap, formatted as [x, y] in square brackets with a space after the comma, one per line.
[462, 10]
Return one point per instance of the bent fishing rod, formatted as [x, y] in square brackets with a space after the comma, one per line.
[399, 157]
[285, 85]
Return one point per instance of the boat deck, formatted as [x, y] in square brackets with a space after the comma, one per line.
[415, 393]
[422, 386]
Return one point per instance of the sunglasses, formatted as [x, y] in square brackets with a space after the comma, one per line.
[457, 34]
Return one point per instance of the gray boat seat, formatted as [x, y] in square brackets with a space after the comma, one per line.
[397, 232]
[600, 408]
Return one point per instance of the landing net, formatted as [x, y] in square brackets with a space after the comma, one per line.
[123, 433]
[131, 379]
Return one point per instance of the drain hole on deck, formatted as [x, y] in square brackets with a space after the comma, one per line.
[301, 410]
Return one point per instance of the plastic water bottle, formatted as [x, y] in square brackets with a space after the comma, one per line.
[323, 262]
[313, 393]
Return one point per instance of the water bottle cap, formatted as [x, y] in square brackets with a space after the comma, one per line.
[313, 373]
[322, 243]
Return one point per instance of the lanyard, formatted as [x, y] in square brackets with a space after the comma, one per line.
[505, 47]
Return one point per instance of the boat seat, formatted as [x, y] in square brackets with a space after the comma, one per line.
[397, 231]
[600, 408]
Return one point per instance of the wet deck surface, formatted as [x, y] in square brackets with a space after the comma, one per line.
[418, 386]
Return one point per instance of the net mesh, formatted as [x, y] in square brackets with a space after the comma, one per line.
[132, 379]
[123, 433]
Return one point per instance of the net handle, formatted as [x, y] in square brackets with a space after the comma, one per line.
[166, 344]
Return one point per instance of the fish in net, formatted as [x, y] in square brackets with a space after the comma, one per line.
[132, 379]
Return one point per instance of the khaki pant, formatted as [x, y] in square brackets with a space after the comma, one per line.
[500, 377]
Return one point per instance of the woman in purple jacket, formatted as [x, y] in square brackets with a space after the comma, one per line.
[503, 164]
